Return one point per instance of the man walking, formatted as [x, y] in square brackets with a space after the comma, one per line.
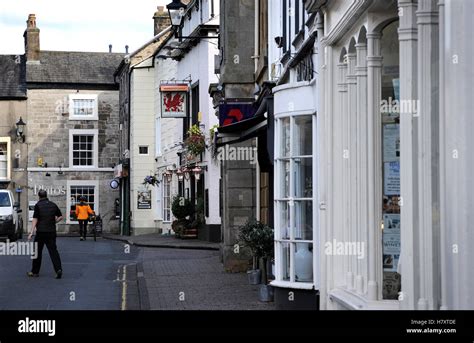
[46, 215]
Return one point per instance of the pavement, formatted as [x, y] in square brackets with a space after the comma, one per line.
[111, 275]
[164, 241]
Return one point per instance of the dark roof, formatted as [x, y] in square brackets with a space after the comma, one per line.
[12, 76]
[66, 67]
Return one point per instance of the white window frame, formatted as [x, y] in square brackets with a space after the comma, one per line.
[71, 183]
[95, 115]
[166, 183]
[95, 134]
[280, 198]
[159, 202]
[7, 140]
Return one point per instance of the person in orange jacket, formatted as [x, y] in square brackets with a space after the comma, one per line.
[83, 211]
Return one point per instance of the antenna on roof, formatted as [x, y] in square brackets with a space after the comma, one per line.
[110, 47]
[126, 49]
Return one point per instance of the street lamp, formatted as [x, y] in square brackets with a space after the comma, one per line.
[176, 11]
[197, 173]
[20, 130]
[180, 174]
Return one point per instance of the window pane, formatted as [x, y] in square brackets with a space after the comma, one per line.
[285, 137]
[285, 178]
[303, 136]
[304, 220]
[304, 262]
[285, 263]
[284, 213]
[303, 177]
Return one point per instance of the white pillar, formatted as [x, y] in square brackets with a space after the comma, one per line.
[409, 153]
[428, 172]
[374, 153]
[362, 133]
[352, 162]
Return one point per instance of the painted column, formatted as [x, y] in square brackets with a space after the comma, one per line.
[409, 153]
[428, 173]
[352, 162]
[341, 163]
[362, 133]
[374, 154]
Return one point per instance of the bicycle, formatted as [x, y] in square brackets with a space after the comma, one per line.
[96, 225]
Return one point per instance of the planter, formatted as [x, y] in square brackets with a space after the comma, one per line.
[255, 277]
[265, 293]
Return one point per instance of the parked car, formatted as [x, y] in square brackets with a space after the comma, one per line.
[11, 224]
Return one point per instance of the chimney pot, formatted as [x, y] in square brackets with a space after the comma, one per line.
[32, 40]
[110, 48]
[161, 20]
[126, 49]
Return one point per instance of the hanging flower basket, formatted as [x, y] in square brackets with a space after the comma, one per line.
[151, 180]
[196, 141]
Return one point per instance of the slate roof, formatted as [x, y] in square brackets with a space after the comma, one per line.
[74, 67]
[12, 77]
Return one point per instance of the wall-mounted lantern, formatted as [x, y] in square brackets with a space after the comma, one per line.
[20, 130]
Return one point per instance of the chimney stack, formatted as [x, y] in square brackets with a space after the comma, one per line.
[162, 20]
[110, 48]
[32, 40]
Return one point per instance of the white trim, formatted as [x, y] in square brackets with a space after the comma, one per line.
[292, 285]
[353, 301]
[95, 134]
[147, 148]
[79, 96]
[70, 183]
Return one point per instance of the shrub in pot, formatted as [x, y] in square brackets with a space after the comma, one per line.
[181, 209]
[248, 238]
[265, 242]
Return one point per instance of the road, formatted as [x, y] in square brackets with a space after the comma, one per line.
[110, 275]
[93, 278]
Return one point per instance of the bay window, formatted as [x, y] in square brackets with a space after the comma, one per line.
[294, 237]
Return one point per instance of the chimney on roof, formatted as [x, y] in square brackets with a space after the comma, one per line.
[110, 47]
[126, 49]
[32, 40]
[161, 19]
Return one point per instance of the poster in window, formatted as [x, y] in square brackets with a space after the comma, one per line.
[391, 223]
[392, 178]
[144, 200]
[391, 142]
[391, 252]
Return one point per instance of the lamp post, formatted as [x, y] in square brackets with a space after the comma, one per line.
[20, 130]
[177, 10]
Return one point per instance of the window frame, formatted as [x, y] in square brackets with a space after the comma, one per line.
[95, 143]
[147, 149]
[7, 141]
[90, 183]
[166, 187]
[73, 97]
[281, 199]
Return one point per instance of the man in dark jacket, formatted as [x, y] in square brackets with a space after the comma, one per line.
[45, 217]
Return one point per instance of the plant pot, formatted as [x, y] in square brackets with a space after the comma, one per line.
[265, 293]
[255, 277]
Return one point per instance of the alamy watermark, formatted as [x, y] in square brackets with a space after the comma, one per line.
[336, 248]
[229, 153]
[19, 249]
[395, 106]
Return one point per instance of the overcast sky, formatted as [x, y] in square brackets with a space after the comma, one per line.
[84, 25]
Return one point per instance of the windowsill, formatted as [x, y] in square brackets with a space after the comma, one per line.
[293, 285]
[353, 301]
[83, 118]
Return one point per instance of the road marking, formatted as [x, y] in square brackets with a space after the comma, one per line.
[124, 288]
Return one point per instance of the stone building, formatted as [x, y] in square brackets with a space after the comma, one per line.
[73, 127]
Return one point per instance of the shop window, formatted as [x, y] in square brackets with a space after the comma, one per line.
[294, 199]
[390, 111]
[88, 190]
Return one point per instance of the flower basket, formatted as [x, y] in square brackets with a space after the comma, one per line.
[151, 180]
[196, 141]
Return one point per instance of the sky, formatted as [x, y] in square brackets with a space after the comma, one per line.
[84, 25]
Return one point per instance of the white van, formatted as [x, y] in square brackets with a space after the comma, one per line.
[11, 224]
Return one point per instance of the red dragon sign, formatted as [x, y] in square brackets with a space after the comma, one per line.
[174, 100]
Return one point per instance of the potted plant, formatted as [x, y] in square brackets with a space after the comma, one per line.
[182, 209]
[249, 238]
[196, 141]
